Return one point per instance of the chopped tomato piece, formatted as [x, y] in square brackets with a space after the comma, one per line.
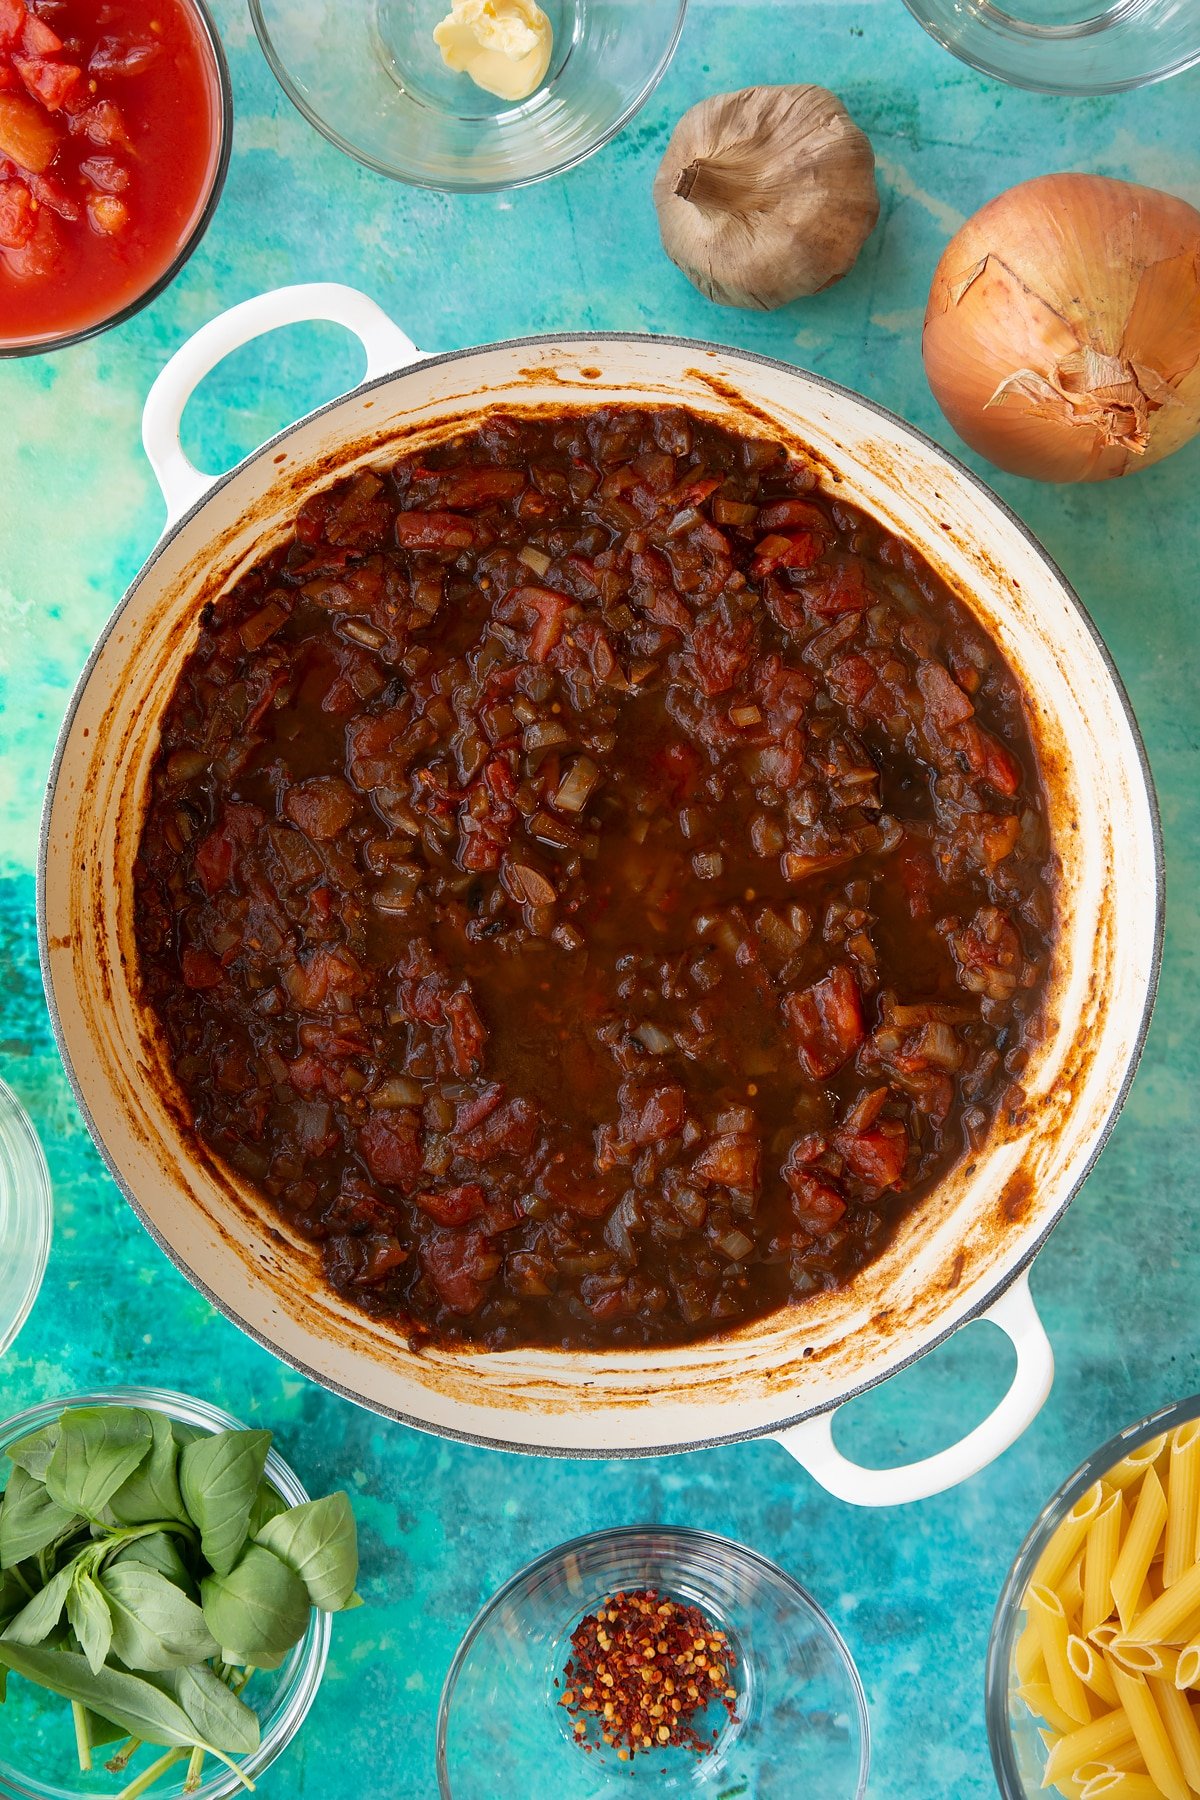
[102, 124]
[826, 1022]
[434, 531]
[453, 1205]
[987, 757]
[50, 82]
[391, 1148]
[200, 968]
[719, 653]
[733, 1161]
[459, 1265]
[876, 1156]
[816, 1204]
[27, 136]
[110, 215]
[945, 702]
[540, 611]
[38, 38]
[799, 550]
[467, 1034]
[16, 215]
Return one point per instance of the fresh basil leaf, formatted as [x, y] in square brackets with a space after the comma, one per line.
[102, 1730]
[98, 1448]
[154, 1626]
[33, 1453]
[137, 1706]
[29, 1519]
[219, 1477]
[90, 1618]
[220, 1718]
[38, 1617]
[260, 1608]
[319, 1543]
[13, 1595]
[158, 1550]
[152, 1491]
[268, 1503]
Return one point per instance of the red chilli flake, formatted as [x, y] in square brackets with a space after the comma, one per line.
[644, 1668]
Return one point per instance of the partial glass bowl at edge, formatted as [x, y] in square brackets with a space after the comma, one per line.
[370, 78]
[25, 1216]
[801, 1726]
[37, 1729]
[1067, 46]
[1018, 1755]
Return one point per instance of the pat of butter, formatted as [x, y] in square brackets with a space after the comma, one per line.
[503, 45]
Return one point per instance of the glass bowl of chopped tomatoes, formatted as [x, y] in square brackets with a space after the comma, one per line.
[115, 129]
[684, 1662]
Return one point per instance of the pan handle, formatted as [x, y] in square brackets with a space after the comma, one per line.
[811, 1442]
[387, 348]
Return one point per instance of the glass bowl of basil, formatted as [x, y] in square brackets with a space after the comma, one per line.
[166, 1587]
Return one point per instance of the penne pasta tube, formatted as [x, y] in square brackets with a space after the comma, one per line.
[1068, 1540]
[1187, 1668]
[1039, 1698]
[1100, 1559]
[1028, 1660]
[1065, 1785]
[1131, 1468]
[1183, 1502]
[1103, 1635]
[1046, 1610]
[1091, 1669]
[1144, 1659]
[1146, 1723]
[1141, 1541]
[1182, 1728]
[1125, 1756]
[1070, 1589]
[1117, 1784]
[1089, 1743]
[1166, 1620]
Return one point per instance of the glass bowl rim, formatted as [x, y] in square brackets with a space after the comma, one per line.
[67, 339]
[705, 1541]
[448, 184]
[997, 69]
[1008, 1606]
[35, 1205]
[313, 1648]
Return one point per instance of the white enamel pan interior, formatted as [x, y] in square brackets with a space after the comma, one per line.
[961, 1255]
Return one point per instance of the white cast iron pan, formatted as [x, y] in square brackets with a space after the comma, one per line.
[964, 1252]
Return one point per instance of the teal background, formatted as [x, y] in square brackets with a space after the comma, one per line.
[442, 1525]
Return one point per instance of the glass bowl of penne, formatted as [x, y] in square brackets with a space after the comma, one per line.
[1093, 1677]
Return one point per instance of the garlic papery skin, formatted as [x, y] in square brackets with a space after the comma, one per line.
[1062, 336]
[503, 45]
[766, 194]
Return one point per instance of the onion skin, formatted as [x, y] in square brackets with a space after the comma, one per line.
[1087, 292]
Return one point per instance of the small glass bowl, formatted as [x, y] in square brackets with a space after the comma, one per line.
[801, 1716]
[1018, 1754]
[39, 346]
[37, 1725]
[1067, 46]
[26, 1214]
[372, 80]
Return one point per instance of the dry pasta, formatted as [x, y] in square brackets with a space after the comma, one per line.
[1108, 1659]
[1137, 1552]
[1150, 1733]
[1183, 1503]
[1100, 1559]
[1181, 1725]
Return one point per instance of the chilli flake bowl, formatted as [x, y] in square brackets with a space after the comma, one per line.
[959, 1256]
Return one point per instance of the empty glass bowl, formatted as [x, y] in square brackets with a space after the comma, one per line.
[25, 1216]
[1018, 1754]
[801, 1718]
[37, 1748]
[1067, 46]
[370, 77]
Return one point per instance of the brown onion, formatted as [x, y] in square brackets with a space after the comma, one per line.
[1062, 336]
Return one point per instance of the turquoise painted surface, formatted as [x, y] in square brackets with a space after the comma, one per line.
[443, 1525]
